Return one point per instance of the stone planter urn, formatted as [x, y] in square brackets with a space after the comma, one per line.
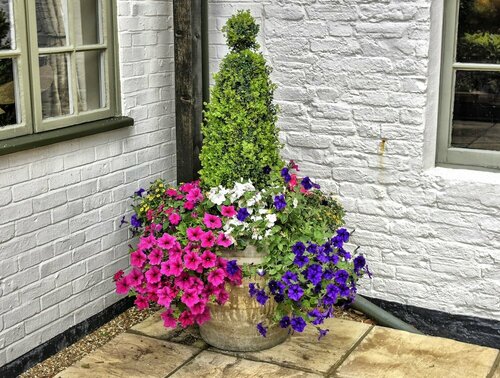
[233, 326]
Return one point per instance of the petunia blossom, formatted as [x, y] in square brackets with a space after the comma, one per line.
[212, 221]
[156, 256]
[207, 239]
[138, 258]
[228, 211]
[223, 240]
[216, 277]
[167, 241]
[208, 259]
[192, 260]
[194, 233]
[174, 219]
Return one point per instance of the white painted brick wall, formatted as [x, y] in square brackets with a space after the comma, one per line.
[351, 73]
[60, 205]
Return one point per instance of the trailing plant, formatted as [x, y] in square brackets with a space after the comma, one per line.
[240, 138]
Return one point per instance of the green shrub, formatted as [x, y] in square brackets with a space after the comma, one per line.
[240, 138]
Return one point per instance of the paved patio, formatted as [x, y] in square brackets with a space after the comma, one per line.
[351, 349]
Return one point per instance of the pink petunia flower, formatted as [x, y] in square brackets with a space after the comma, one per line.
[198, 308]
[167, 241]
[192, 260]
[204, 317]
[194, 195]
[122, 286]
[216, 277]
[174, 219]
[190, 297]
[172, 267]
[153, 275]
[212, 221]
[196, 284]
[118, 275]
[171, 192]
[141, 302]
[208, 259]
[168, 320]
[223, 240]
[150, 214]
[194, 233]
[156, 256]
[165, 296]
[156, 227]
[137, 259]
[188, 205]
[207, 239]
[186, 319]
[228, 211]
[176, 250]
[223, 297]
[135, 277]
[187, 187]
[182, 282]
[146, 242]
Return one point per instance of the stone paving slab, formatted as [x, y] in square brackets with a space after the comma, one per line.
[214, 365]
[303, 350]
[131, 356]
[153, 327]
[387, 353]
[496, 373]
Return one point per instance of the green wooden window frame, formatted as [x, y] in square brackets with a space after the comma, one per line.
[33, 128]
[445, 153]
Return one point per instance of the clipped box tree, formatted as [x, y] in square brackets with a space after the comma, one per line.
[240, 137]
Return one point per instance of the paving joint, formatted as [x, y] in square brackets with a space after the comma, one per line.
[186, 362]
[348, 353]
[496, 365]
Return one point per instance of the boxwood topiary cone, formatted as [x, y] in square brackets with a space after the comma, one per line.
[240, 138]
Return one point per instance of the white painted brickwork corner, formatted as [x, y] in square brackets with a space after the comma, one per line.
[350, 74]
[60, 205]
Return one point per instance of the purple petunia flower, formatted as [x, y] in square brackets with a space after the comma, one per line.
[266, 169]
[344, 291]
[242, 214]
[300, 260]
[135, 222]
[261, 297]
[279, 202]
[139, 192]
[286, 175]
[279, 298]
[298, 248]
[322, 258]
[359, 263]
[298, 324]
[314, 274]
[123, 221]
[295, 292]
[252, 290]
[232, 267]
[328, 274]
[312, 248]
[273, 286]
[322, 333]
[289, 277]
[317, 315]
[370, 275]
[341, 276]
[334, 259]
[262, 330]
[306, 183]
[343, 234]
[285, 322]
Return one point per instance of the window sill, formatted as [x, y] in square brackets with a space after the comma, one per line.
[27, 142]
[465, 174]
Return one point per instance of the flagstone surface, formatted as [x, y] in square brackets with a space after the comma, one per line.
[389, 353]
[351, 349]
[215, 365]
[303, 351]
[131, 356]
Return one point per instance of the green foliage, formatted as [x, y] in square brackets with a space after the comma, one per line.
[239, 129]
[241, 31]
[479, 47]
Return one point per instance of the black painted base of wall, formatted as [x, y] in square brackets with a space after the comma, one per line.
[61, 341]
[468, 329]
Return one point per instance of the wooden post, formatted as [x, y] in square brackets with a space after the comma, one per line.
[188, 87]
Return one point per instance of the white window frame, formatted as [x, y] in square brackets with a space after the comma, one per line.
[446, 154]
[28, 101]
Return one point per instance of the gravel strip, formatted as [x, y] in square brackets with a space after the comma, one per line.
[68, 356]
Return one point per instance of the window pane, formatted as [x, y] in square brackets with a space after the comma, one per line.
[479, 31]
[88, 68]
[8, 93]
[51, 21]
[87, 21]
[55, 85]
[476, 113]
[6, 26]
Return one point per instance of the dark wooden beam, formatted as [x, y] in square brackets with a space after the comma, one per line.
[188, 86]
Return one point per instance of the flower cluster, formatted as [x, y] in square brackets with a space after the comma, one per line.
[175, 263]
[319, 276]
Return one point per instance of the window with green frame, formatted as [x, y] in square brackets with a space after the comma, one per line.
[57, 64]
[469, 119]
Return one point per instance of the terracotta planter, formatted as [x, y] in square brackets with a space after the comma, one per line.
[233, 326]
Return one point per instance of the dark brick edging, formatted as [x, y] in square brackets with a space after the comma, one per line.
[61, 341]
[469, 329]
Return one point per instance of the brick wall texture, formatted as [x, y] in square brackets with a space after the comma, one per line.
[352, 74]
[61, 205]
[354, 91]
